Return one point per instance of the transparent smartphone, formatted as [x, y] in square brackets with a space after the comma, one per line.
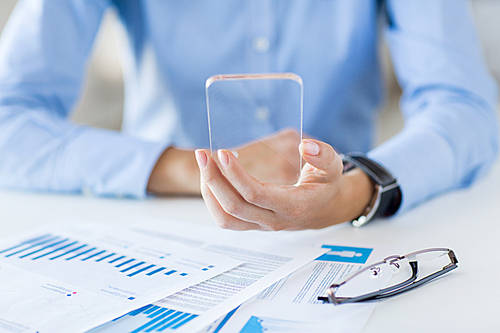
[259, 118]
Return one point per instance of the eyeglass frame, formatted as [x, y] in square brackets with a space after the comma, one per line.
[399, 288]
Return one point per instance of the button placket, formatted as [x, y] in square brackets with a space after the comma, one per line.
[261, 35]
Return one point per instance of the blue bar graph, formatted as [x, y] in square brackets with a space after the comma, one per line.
[30, 247]
[157, 312]
[141, 270]
[33, 240]
[190, 317]
[69, 251]
[54, 251]
[55, 248]
[156, 271]
[132, 267]
[43, 248]
[93, 255]
[81, 254]
[140, 310]
[151, 310]
[159, 326]
[154, 322]
[105, 257]
[174, 322]
[149, 318]
[115, 260]
[124, 263]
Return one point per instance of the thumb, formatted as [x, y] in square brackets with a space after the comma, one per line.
[321, 156]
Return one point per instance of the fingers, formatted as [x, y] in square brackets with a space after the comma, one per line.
[323, 157]
[239, 201]
[220, 194]
[224, 220]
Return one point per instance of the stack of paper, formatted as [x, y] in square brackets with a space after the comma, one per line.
[156, 276]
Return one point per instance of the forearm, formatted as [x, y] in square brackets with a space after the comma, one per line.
[449, 147]
[40, 151]
[450, 136]
[43, 52]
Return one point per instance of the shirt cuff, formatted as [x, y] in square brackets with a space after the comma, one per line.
[107, 163]
[421, 161]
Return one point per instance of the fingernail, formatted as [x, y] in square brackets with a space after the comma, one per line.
[201, 158]
[223, 158]
[310, 147]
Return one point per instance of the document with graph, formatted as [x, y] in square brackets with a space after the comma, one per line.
[291, 304]
[267, 258]
[75, 275]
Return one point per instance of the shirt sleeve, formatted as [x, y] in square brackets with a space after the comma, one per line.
[44, 51]
[450, 136]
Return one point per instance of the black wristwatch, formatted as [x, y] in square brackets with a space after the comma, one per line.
[387, 195]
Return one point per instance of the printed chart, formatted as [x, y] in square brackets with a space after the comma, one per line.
[52, 247]
[77, 276]
[150, 318]
[265, 262]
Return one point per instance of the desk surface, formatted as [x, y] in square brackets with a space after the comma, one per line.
[467, 221]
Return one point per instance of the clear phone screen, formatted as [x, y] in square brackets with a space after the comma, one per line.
[259, 118]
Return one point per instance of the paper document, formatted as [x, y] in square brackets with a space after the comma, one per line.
[75, 276]
[291, 305]
[266, 261]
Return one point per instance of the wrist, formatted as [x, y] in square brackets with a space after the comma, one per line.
[387, 196]
[358, 193]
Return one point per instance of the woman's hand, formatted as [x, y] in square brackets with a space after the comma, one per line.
[273, 159]
[324, 197]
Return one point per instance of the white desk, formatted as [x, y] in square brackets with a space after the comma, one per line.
[468, 299]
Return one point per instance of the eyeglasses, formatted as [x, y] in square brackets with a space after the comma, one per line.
[410, 271]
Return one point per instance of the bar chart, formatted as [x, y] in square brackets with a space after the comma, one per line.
[74, 275]
[58, 248]
[150, 318]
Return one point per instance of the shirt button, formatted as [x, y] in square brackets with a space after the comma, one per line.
[261, 44]
[262, 113]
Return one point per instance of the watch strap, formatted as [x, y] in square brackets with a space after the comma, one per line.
[387, 197]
